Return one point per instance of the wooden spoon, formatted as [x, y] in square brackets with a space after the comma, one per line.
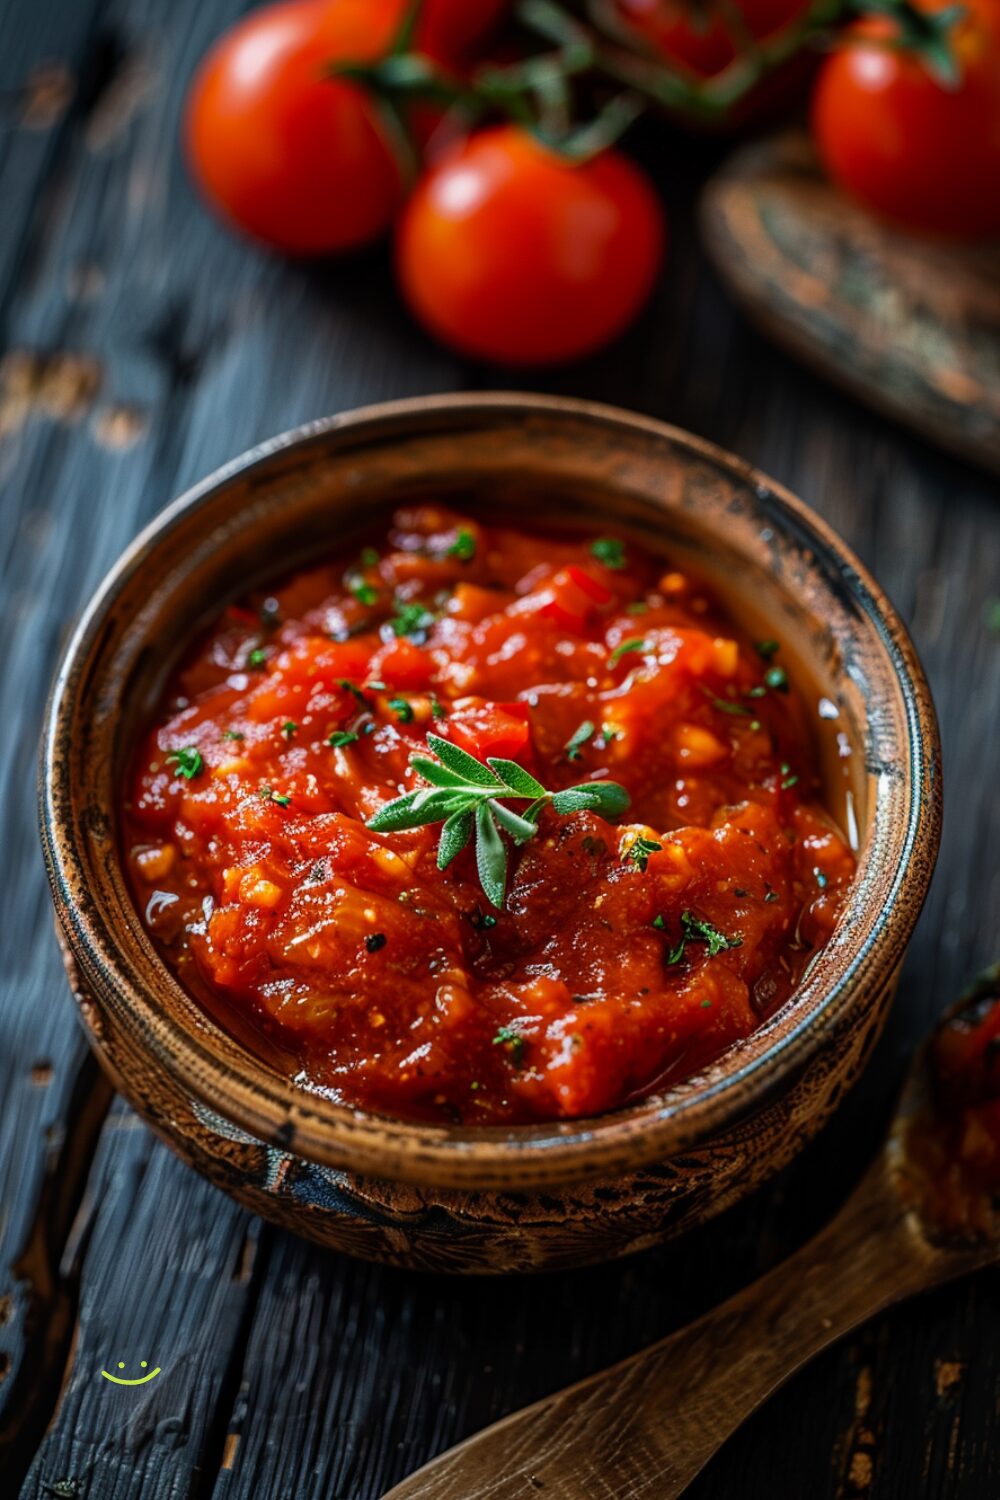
[647, 1426]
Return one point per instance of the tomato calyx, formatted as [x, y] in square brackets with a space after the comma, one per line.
[924, 34]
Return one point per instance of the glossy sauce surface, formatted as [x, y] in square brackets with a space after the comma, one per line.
[350, 960]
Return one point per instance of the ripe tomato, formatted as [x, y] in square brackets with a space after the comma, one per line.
[291, 157]
[508, 252]
[892, 136]
[702, 38]
[452, 30]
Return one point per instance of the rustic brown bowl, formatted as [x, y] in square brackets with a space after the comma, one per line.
[526, 1197]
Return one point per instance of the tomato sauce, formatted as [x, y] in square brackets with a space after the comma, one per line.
[627, 952]
[953, 1147]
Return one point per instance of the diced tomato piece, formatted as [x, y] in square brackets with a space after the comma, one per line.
[401, 664]
[597, 592]
[483, 729]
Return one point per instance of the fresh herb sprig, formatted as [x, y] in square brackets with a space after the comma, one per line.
[697, 930]
[468, 797]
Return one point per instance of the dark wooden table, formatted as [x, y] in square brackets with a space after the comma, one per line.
[143, 347]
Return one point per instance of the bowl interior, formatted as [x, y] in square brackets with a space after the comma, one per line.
[781, 574]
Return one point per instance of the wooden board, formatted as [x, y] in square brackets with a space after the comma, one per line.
[142, 346]
[910, 325]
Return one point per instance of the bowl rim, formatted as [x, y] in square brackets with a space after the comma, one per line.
[273, 1109]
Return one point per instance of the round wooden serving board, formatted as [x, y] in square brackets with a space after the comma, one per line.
[910, 325]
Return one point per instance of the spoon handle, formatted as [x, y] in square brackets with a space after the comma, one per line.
[647, 1426]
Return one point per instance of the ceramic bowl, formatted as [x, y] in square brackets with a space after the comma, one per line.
[526, 1197]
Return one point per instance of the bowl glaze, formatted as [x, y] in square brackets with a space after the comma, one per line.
[525, 1197]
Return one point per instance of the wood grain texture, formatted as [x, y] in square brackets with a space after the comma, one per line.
[910, 324]
[352, 1376]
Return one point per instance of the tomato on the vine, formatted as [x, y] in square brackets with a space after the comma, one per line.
[509, 252]
[287, 154]
[452, 31]
[706, 38]
[904, 143]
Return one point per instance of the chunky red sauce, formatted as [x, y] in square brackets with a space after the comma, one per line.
[353, 961]
[954, 1145]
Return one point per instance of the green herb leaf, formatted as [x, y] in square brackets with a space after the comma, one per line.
[636, 643]
[411, 619]
[455, 834]
[365, 593]
[267, 794]
[232, 734]
[417, 809]
[777, 678]
[402, 710]
[609, 551]
[288, 729]
[767, 649]
[729, 706]
[341, 737]
[186, 761]
[464, 793]
[512, 1040]
[463, 764]
[520, 829]
[574, 745]
[788, 778]
[639, 850]
[463, 547]
[698, 930]
[369, 557]
[491, 857]
[637, 607]
[605, 797]
[515, 777]
[257, 657]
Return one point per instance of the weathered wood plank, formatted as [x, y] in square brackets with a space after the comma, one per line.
[353, 1375]
[111, 1441]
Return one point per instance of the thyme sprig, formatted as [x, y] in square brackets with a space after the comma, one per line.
[468, 797]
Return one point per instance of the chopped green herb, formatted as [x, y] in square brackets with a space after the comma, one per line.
[375, 940]
[483, 919]
[636, 643]
[770, 896]
[463, 547]
[438, 710]
[788, 778]
[639, 850]
[767, 649]
[288, 728]
[706, 1005]
[233, 734]
[697, 930]
[411, 619]
[512, 1040]
[755, 725]
[637, 607]
[369, 557]
[822, 879]
[402, 710]
[354, 690]
[660, 922]
[341, 737]
[187, 762]
[574, 745]
[469, 796]
[268, 795]
[756, 692]
[365, 593]
[729, 706]
[777, 678]
[257, 657]
[609, 551]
